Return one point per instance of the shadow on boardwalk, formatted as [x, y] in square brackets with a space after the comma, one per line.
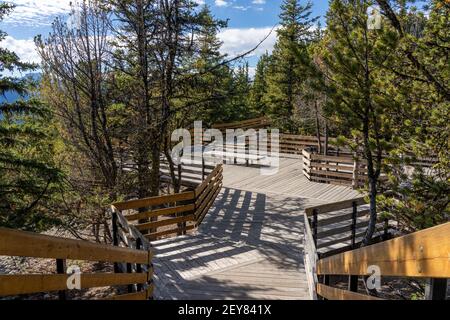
[249, 246]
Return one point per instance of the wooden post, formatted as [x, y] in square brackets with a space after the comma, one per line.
[115, 236]
[355, 178]
[203, 168]
[354, 218]
[180, 177]
[436, 289]
[129, 270]
[353, 283]
[61, 269]
[314, 225]
[386, 230]
[115, 229]
[139, 266]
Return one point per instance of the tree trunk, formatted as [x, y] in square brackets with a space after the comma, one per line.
[373, 211]
[176, 182]
[154, 176]
[319, 138]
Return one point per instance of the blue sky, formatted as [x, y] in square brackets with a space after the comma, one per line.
[249, 22]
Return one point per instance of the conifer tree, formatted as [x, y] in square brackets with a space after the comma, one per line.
[284, 78]
[214, 76]
[355, 57]
[259, 86]
[28, 176]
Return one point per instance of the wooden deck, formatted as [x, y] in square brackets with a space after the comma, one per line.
[250, 244]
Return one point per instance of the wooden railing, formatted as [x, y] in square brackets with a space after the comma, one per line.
[192, 174]
[26, 244]
[341, 169]
[295, 144]
[168, 215]
[289, 143]
[334, 228]
[340, 226]
[423, 254]
[257, 123]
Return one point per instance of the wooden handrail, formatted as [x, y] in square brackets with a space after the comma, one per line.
[329, 207]
[182, 212]
[28, 244]
[154, 201]
[234, 125]
[332, 293]
[423, 254]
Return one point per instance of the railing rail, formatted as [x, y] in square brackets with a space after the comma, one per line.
[257, 123]
[174, 214]
[27, 244]
[333, 228]
[310, 258]
[339, 226]
[342, 169]
[423, 254]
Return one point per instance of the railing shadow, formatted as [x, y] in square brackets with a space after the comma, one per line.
[241, 225]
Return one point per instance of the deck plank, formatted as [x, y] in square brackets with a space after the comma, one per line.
[250, 243]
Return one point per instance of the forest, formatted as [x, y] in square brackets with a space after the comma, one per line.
[117, 77]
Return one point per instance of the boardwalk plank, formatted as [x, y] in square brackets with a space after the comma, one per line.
[250, 243]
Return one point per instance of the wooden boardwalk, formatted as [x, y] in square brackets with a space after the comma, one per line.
[250, 244]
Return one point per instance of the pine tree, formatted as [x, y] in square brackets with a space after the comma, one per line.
[214, 76]
[421, 120]
[259, 86]
[239, 107]
[284, 78]
[27, 175]
[355, 58]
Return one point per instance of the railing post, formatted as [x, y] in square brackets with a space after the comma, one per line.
[138, 265]
[386, 230]
[354, 218]
[353, 283]
[129, 270]
[326, 280]
[61, 269]
[115, 236]
[436, 289]
[314, 225]
[203, 168]
[355, 176]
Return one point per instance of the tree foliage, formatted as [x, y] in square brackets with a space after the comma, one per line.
[28, 175]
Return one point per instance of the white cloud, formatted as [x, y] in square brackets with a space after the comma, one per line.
[200, 2]
[237, 41]
[25, 49]
[221, 3]
[242, 8]
[37, 12]
[259, 1]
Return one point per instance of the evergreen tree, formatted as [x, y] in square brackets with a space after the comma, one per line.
[28, 176]
[259, 86]
[356, 58]
[239, 107]
[214, 76]
[284, 78]
[419, 166]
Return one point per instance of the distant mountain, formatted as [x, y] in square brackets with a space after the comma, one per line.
[11, 96]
